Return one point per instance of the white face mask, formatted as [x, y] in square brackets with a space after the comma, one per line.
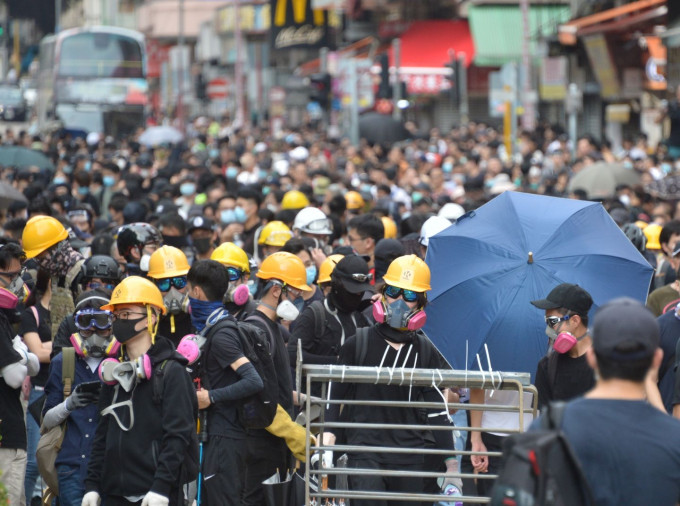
[144, 262]
[286, 310]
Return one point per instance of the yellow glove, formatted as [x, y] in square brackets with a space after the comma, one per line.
[294, 434]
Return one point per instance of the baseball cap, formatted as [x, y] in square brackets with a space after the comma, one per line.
[200, 222]
[572, 297]
[352, 270]
[624, 329]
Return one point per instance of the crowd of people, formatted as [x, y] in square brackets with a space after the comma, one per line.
[130, 272]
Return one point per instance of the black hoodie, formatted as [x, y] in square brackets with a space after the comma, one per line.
[148, 456]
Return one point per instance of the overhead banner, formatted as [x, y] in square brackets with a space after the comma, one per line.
[294, 24]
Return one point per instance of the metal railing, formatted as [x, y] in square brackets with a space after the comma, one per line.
[519, 382]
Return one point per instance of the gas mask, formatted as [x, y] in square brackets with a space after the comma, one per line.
[239, 295]
[398, 315]
[127, 373]
[95, 345]
[176, 301]
[144, 262]
[13, 292]
[191, 347]
[565, 341]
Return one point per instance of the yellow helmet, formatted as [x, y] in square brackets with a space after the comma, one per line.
[41, 233]
[390, 227]
[354, 200]
[327, 267]
[652, 232]
[168, 262]
[228, 253]
[294, 199]
[275, 233]
[136, 290]
[408, 272]
[285, 267]
[641, 224]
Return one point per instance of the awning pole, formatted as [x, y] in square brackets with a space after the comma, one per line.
[396, 85]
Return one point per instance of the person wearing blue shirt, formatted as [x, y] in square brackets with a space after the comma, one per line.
[628, 446]
[92, 343]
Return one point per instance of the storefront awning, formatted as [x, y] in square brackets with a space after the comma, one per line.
[615, 19]
[498, 34]
[426, 48]
[358, 48]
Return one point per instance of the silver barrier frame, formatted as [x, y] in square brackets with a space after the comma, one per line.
[325, 374]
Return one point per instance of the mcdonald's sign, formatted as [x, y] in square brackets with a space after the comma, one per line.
[295, 24]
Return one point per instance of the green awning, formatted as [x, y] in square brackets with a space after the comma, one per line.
[497, 30]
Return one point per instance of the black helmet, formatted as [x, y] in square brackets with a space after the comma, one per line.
[136, 235]
[103, 267]
[635, 235]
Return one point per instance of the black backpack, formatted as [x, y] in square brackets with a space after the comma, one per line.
[258, 410]
[540, 468]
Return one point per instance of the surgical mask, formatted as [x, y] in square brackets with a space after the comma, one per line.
[666, 168]
[176, 301]
[83, 190]
[266, 191]
[187, 189]
[124, 330]
[416, 197]
[625, 200]
[201, 310]
[145, 173]
[240, 214]
[447, 167]
[288, 311]
[231, 172]
[214, 153]
[628, 164]
[252, 287]
[311, 274]
[227, 216]
[88, 166]
[59, 180]
[67, 169]
[144, 262]
[109, 181]
[203, 245]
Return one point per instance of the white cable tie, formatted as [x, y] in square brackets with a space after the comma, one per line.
[441, 378]
[394, 365]
[328, 397]
[479, 363]
[408, 354]
[377, 369]
[466, 361]
[488, 360]
[413, 369]
[342, 377]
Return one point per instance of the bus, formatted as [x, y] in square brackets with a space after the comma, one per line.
[92, 79]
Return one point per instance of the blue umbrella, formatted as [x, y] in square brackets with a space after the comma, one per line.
[489, 265]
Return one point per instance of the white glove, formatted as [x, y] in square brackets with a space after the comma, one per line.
[91, 499]
[32, 364]
[154, 499]
[21, 348]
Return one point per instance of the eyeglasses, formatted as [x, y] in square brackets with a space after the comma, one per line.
[94, 285]
[360, 277]
[88, 318]
[234, 273]
[353, 239]
[551, 321]
[293, 291]
[178, 282]
[393, 293]
[125, 315]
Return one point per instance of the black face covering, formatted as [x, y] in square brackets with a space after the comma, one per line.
[345, 301]
[124, 330]
[202, 245]
[178, 241]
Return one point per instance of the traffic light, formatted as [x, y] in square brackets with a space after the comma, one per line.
[200, 86]
[384, 89]
[320, 89]
[454, 77]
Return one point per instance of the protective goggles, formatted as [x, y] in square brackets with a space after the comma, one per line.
[393, 293]
[93, 285]
[361, 278]
[234, 273]
[319, 226]
[178, 282]
[93, 318]
[552, 321]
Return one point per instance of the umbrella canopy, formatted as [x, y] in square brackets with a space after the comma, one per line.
[9, 194]
[489, 265]
[381, 128]
[667, 188]
[155, 135]
[600, 179]
[17, 156]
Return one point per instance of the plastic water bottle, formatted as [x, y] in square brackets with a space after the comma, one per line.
[451, 491]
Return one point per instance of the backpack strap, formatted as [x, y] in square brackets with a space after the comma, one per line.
[68, 369]
[319, 313]
[424, 348]
[360, 345]
[554, 415]
[158, 385]
[34, 310]
[255, 317]
[552, 370]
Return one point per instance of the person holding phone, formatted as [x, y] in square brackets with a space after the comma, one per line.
[92, 342]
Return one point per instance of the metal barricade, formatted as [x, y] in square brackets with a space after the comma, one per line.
[323, 374]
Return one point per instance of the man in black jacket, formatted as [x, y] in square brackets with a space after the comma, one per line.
[146, 436]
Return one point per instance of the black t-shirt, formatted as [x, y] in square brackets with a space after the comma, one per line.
[12, 425]
[573, 378]
[248, 238]
[44, 330]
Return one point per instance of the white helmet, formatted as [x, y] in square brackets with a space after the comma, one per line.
[451, 211]
[312, 220]
[432, 226]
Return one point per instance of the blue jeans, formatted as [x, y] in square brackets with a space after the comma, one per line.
[32, 481]
[71, 486]
[460, 420]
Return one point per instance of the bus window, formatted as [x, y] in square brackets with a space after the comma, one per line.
[100, 55]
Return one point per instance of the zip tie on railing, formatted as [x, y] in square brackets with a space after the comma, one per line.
[408, 354]
[479, 363]
[377, 369]
[413, 370]
[342, 378]
[441, 378]
[446, 402]
[328, 397]
[488, 360]
[466, 361]
[394, 365]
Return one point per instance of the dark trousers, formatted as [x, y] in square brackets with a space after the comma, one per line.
[223, 472]
[266, 455]
[482, 486]
[377, 483]
[176, 499]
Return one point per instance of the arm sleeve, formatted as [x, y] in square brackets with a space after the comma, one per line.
[56, 415]
[249, 383]
[14, 374]
[179, 409]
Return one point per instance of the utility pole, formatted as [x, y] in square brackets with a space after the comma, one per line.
[180, 73]
[529, 115]
[57, 16]
[238, 68]
[461, 82]
[396, 85]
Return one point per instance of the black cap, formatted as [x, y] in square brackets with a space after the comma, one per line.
[624, 329]
[200, 222]
[572, 297]
[352, 270]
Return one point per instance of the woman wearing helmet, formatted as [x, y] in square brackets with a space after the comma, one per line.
[238, 300]
[394, 341]
[148, 429]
